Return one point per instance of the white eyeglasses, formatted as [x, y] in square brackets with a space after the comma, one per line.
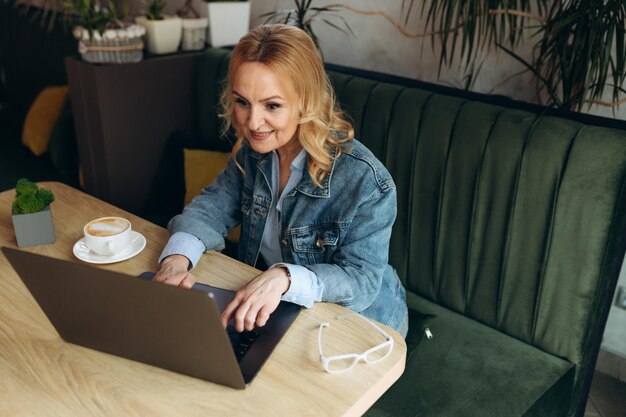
[340, 363]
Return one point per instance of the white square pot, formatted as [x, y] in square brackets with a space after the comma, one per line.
[162, 36]
[228, 21]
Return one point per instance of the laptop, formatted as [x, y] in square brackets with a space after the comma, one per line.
[169, 327]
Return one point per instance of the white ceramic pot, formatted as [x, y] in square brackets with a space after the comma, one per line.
[228, 21]
[162, 36]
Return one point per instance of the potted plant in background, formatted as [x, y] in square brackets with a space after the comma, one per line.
[163, 32]
[579, 51]
[303, 15]
[103, 32]
[194, 27]
[229, 20]
[32, 219]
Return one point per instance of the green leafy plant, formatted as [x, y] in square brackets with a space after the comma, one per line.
[303, 15]
[93, 15]
[154, 9]
[578, 46]
[97, 15]
[29, 198]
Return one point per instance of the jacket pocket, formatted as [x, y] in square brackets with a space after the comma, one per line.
[314, 245]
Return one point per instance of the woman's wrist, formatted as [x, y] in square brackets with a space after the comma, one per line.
[286, 274]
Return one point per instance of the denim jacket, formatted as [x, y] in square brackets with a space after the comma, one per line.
[340, 231]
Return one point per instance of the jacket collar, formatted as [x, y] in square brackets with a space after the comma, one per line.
[306, 185]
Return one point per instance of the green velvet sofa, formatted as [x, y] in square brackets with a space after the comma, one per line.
[509, 239]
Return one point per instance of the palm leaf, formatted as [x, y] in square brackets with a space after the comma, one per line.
[554, 97]
[579, 45]
[303, 15]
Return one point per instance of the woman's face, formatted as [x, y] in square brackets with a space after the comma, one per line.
[266, 108]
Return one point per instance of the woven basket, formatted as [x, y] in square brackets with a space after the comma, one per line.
[194, 34]
[114, 46]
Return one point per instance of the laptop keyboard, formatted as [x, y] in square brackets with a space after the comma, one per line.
[241, 342]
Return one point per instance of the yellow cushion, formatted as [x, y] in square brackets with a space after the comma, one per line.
[201, 168]
[42, 116]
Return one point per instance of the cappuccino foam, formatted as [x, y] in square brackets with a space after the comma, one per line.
[108, 226]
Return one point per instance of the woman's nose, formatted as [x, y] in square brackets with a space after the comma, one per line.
[255, 119]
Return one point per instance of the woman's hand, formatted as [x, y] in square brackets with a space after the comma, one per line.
[174, 271]
[254, 303]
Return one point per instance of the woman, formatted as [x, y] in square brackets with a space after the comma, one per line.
[313, 203]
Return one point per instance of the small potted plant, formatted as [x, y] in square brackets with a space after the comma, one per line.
[103, 32]
[303, 15]
[163, 32]
[32, 219]
[194, 27]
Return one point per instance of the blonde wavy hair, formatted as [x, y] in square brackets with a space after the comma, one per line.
[291, 54]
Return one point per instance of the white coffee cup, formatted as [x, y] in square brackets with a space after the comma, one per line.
[108, 236]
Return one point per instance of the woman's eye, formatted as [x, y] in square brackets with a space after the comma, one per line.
[273, 106]
[240, 101]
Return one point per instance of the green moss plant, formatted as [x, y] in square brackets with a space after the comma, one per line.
[29, 198]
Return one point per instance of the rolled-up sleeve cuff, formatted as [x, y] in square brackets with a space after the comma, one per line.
[305, 288]
[186, 244]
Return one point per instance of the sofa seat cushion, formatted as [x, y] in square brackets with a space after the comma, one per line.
[488, 373]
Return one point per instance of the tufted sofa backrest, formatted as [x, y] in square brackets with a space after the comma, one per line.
[508, 217]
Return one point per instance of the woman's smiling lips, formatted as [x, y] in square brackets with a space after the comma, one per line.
[260, 135]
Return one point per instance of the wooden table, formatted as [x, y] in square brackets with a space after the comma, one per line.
[43, 375]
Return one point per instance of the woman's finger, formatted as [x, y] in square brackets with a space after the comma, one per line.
[159, 276]
[240, 315]
[251, 318]
[187, 281]
[174, 279]
[264, 315]
[229, 310]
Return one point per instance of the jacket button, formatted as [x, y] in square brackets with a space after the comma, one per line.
[284, 242]
[319, 242]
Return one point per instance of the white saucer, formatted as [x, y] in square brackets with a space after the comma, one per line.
[82, 252]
